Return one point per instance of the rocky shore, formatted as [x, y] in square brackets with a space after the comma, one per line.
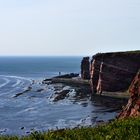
[115, 72]
[112, 75]
[93, 97]
[72, 79]
[111, 72]
[108, 74]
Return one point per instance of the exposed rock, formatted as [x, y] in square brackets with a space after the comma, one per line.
[46, 81]
[39, 90]
[22, 128]
[72, 82]
[85, 65]
[27, 90]
[60, 77]
[71, 75]
[61, 95]
[133, 106]
[113, 71]
[94, 75]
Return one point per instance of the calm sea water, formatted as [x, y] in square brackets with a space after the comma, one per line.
[38, 67]
[23, 110]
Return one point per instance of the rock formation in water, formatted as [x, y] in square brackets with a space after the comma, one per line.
[71, 75]
[133, 106]
[111, 71]
[85, 64]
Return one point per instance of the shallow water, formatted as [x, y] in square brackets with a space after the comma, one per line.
[23, 111]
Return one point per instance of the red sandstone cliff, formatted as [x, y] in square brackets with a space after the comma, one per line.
[113, 71]
[133, 106]
[85, 68]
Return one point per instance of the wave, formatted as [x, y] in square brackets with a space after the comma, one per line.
[17, 83]
[16, 77]
[13, 84]
[5, 83]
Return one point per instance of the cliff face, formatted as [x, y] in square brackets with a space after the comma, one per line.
[113, 71]
[85, 68]
[133, 106]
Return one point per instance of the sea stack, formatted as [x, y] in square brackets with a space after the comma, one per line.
[85, 65]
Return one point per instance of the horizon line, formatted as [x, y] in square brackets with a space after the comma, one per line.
[43, 55]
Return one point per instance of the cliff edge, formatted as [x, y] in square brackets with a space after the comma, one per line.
[111, 72]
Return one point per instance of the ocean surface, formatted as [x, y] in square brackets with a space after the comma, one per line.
[38, 67]
[26, 104]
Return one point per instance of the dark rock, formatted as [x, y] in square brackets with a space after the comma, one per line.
[22, 128]
[47, 80]
[3, 131]
[61, 95]
[39, 90]
[28, 132]
[100, 121]
[85, 65]
[27, 90]
[71, 75]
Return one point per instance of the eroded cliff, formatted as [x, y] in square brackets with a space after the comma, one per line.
[111, 71]
[133, 106]
[85, 65]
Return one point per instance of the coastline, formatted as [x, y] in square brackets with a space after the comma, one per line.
[127, 129]
[67, 88]
[35, 100]
[78, 81]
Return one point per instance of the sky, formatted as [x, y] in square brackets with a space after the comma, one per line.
[68, 27]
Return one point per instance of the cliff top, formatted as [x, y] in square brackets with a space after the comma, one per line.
[126, 53]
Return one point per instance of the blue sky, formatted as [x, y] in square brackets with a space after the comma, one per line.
[68, 27]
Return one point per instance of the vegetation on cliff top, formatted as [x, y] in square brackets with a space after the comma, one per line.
[128, 129]
[118, 53]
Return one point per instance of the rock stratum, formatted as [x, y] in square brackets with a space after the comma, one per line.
[85, 66]
[132, 108]
[111, 72]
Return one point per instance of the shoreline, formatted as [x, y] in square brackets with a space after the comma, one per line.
[74, 97]
[117, 129]
[78, 82]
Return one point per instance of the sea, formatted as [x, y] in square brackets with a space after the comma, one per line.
[27, 105]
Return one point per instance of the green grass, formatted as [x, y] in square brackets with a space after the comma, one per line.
[128, 129]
